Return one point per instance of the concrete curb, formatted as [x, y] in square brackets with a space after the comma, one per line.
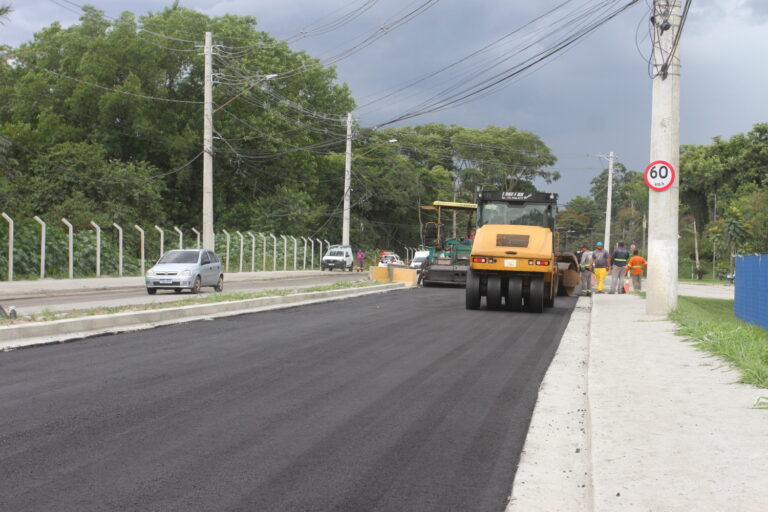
[52, 287]
[26, 335]
[555, 469]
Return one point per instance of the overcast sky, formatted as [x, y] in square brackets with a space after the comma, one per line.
[592, 99]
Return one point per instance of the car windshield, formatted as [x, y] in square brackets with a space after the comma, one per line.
[418, 259]
[336, 253]
[179, 257]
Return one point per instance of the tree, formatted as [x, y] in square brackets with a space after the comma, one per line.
[5, 10]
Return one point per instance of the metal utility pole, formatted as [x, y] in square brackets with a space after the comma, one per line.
[208, 237]
[347, 182]
[607, 235]
[663, 206]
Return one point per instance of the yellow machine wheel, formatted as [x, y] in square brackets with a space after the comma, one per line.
[536, 295]
[515, 294]
[493, 292]
[473, 290]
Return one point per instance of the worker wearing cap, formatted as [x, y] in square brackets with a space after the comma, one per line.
[618, 269]
[599, 265]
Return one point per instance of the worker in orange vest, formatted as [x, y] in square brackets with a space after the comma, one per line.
[635, 267]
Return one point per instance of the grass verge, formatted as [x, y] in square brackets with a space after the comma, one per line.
[712, 326]
[48, 315]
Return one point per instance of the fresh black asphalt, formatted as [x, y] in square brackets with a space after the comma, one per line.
[401, 402]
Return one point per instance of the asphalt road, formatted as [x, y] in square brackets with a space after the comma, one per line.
[107, 298]
[402, 402]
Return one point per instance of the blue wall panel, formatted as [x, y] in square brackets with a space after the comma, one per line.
[751, 303]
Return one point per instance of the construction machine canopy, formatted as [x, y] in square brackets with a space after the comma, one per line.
[471, 208]
[447, 205]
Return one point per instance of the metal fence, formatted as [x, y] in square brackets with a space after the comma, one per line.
[33, 248]
[751, 303]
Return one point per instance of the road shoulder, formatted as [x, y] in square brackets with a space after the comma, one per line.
[554, 471]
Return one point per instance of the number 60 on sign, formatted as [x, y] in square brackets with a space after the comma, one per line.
[659, 175]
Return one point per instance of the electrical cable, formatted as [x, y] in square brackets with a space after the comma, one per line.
[451, 99]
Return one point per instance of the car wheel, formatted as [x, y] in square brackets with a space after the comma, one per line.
[151, 291]
[177, 290]
[196, 287]
[220, 284]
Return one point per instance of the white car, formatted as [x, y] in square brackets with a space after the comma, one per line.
[185, 268]
[418, 258]
[390, 259]
[338, 256]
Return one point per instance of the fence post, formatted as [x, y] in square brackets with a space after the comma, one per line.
[274, 251]
[141, 245]
[10, 245]
[181, 237]
[226, 234]
[328, 245]
[295, 248]
[263, 252]
[241, 250]
[312, 252]
[71, 248]
[320, 253]
[285, 251]
[197, 233]
[162, 239]
[42, 245]
[98, 248]
[119, 249]
[253, 251]
[304, 259]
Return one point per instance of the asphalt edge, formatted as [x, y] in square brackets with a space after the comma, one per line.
[62, 331]
[555, 467]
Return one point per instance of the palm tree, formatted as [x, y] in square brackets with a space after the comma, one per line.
[5, 10]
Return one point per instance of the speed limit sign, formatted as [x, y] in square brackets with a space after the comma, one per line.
[659, 175]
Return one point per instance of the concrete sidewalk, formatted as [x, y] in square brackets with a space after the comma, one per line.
[47, 287]
[631, 417]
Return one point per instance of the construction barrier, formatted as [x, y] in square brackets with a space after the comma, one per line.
[394, 274]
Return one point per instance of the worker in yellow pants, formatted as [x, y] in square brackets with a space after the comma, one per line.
[600, 264]
[600, 274]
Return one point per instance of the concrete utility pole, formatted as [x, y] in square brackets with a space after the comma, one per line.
[347, 182]
[663, 206]
[607, 235]
[208, 237]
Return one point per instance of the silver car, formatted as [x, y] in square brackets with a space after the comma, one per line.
[185, 268]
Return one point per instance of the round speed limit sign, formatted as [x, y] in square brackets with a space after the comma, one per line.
[659, 175]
